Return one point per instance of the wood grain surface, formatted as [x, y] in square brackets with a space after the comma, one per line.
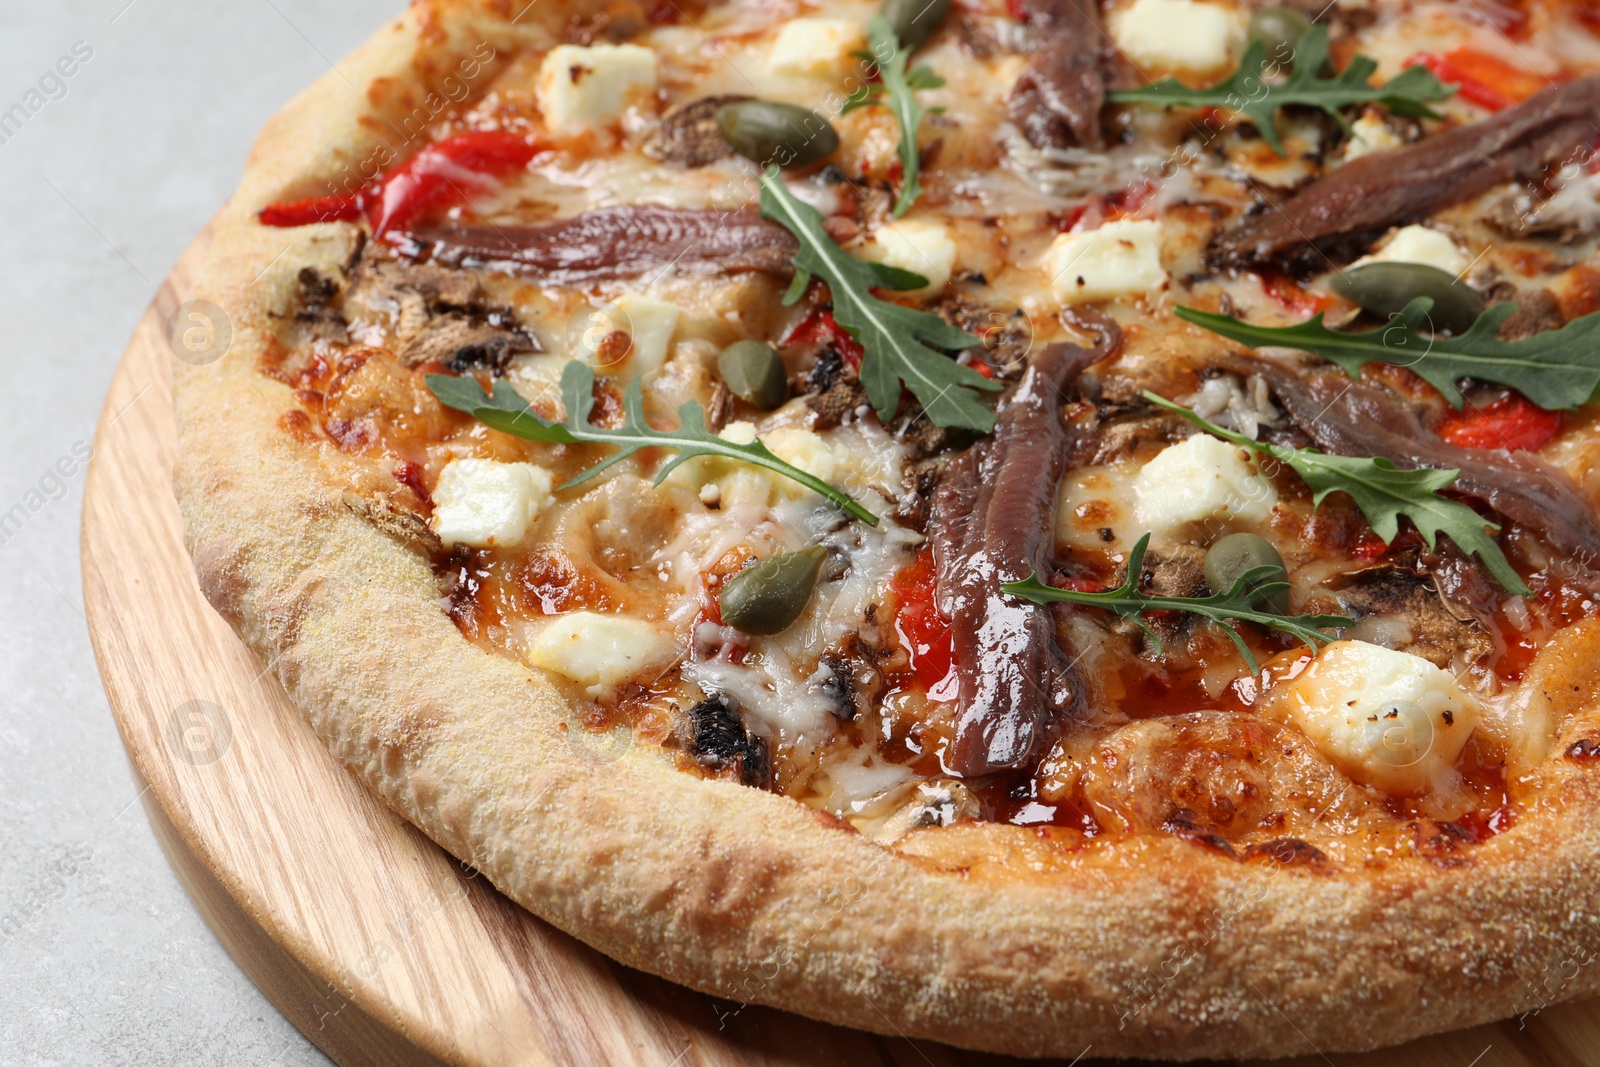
[376, 943]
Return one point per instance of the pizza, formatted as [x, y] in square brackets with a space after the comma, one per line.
[1012, 522]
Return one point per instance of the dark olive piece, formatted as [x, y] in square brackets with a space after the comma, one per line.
[1278, 29]
[769, 596]
[754, 373]
[913, 21]
[1384, 288]
[1234, 556]
[768, 132]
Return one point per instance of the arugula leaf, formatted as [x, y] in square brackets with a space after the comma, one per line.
[507, 411]
[900, 343]
[1238, 603]
[1556, 369]
[898, 87]
[1384, 493]
[1248, 91]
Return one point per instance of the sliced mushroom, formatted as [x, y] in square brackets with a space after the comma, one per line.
[688, 135]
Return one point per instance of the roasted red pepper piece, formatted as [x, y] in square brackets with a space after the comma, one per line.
[923, 631]
[1481, 78]
[447, 173]
[820, 327]
[442, 175]
[1511, 422]
[1292, 298]
[314, 209]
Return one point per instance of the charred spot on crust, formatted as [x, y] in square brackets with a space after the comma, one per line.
[1584, 749]
[718, 739]
[1185, 823]
[315, 313]
[1287, 852]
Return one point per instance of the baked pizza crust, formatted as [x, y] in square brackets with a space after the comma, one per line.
[980, 935]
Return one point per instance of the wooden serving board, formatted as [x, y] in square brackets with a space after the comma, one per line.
[376, 943]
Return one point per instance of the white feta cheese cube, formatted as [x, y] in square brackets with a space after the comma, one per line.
[1167, 35]
[594, 649]
[1201, 479]
[1119, 258]
[1420, 244]
[591, 86]
[483, 502]
[922, 246]
[816, 47]
[1387, 719]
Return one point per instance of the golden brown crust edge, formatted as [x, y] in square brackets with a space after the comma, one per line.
[1158, 948]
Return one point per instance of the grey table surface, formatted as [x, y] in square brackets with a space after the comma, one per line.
[106, 176]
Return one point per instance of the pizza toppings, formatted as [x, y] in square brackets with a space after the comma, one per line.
[1183, 35]
[1352, 420]
[689, 135]
[597, 649]
[447, 173]
[1387, 719]
[505, 409]
[1557, 369]
[615, 242]
[482, 502]
[897, 90]
[767, 597]
[1257, 96]
[1057, 100]
[991, 516]
[443, 174]
[1120, 258]
[769, 133]
[1201, 480]
[1250, 598]
[754, 372]
[900, 344]
[1383, 491]
[590, 86]
[1334, 215]
[1070, 594]
[720, 741]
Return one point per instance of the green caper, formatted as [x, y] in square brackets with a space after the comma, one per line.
[914, 20]
[1279, 30]
[754, 373]
[768, 597]
[1234, 556]
[767, 132]
[1385, 287]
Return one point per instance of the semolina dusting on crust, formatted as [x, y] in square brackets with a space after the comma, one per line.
[980, 935]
